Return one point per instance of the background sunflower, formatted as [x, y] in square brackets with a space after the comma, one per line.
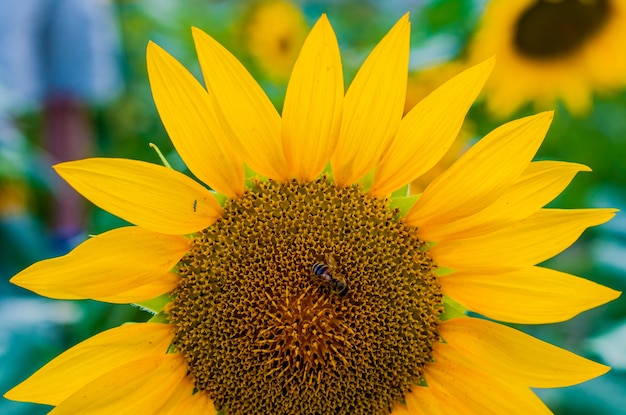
[550, 50]
[442, 30]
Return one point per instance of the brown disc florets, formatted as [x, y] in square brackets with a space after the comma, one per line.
[263, 334]
[552, 29]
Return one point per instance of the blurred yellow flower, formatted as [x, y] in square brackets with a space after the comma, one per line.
[254, 317]
[273, 34]
[550, 50]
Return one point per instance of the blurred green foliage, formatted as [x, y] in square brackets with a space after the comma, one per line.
[127, 125]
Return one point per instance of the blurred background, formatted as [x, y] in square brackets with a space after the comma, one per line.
[73, 84]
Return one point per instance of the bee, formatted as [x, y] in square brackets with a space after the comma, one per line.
[195, 204]
[323, 272]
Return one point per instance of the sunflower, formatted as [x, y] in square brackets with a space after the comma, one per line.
[273, 32]
[550, 50]
[306, 281]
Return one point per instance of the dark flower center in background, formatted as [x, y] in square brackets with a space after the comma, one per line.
[262, 335]
[555, 28]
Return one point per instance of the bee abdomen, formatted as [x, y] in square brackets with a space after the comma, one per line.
[320, 269]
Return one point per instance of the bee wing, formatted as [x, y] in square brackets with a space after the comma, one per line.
[330, 259]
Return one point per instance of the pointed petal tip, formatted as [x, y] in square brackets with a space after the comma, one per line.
[485, 67]
[607, 213]
[16, 280]
[403, 23]
[548, 114]
[612, 294]
[197, 31]
[152, 48]
[322, 22]
[199, 35]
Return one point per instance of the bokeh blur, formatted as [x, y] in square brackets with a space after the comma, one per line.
[73, 84]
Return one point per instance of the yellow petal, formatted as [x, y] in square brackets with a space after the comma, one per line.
[482, 393]
[539, 184]
[196, 404]
[190, 120]
[373, 106]
[530, 295]
[429, 129]
[313, 105]
[143, 386]
[528, 242]
[424, 400]
[246, 114]
[178, 395]
[482, 174]
[145, 194]
[92, 358]
[515, 356]
[103, 266]
[399, 408]
[188, 401]
[148, 291]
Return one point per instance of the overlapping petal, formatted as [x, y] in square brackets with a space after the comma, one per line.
[89, 360]
[196, 404]
[429, 129]
[190, 120]
[528, 242]
[482, 174]
[531, 295]
[107, 265]
[515, 356]
[541, 182]
[245, 112]
[477, 390]
[143, 386]
[148, 291]
[145, 194]
[424, 400]
[187, 400]
[373, 107]
[313, 104]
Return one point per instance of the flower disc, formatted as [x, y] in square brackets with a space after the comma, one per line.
[551, 29]
[259, 331]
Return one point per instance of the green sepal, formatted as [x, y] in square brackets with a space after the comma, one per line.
[421, 382]
[221, 199]
[366, 182]
[154, 305]
[159, 318]
[443, 271]
[160, 154]
[403, 204]
[250, 177]
[328, 172]
[401, 192]
[452, 309]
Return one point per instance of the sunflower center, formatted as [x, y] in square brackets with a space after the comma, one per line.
[554, 28]
[306, 299]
